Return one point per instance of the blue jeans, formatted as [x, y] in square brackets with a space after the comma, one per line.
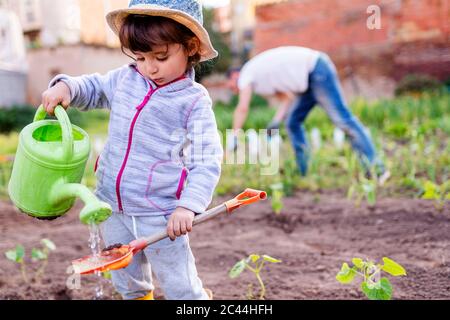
[324, 89]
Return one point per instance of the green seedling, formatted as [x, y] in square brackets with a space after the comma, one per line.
[438, 193]
[18, 256]
[373, 286]
[42, 255]
[369, 188]
[277, 197]
[254, 263]
[288, 174]
[361, 186]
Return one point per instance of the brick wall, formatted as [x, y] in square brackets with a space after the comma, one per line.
[414, 34]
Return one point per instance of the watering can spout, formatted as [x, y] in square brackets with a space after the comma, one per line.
[94, 211]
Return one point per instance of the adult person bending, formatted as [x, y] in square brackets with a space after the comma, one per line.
[300, 78]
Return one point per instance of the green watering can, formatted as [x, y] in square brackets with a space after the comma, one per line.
[48, 168]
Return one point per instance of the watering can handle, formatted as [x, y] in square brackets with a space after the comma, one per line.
[66, 127]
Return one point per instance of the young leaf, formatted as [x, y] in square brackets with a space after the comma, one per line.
[431, 191]
[270, 259]
[380, 291]
[37, 254]
[346, 275]
[367, 187]
[20, 251]
[393, 268]
[11, 255]
[277, 206]
[48, 244]
[107, 275]
[16, 255]
[277, 198]
[369, 190]
[371, 198]
[253, 258]
[237, 269]
[359, 263]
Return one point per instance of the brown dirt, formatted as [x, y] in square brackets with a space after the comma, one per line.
[313, 236]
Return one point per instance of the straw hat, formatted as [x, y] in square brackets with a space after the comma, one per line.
[187, 12]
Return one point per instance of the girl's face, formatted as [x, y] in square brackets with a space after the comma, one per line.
[163, 64]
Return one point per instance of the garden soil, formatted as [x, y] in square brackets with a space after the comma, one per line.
[313, 236]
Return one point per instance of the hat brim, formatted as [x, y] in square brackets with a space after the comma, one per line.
[116, 19]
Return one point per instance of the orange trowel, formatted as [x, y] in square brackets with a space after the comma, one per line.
[119, 256]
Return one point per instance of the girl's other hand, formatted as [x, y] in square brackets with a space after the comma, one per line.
[59, 94]
[180, 223]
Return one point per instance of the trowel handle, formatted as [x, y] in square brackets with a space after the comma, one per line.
[142, 243]
[66, 127]
[247, 197]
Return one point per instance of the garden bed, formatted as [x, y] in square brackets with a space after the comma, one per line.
[313, 236]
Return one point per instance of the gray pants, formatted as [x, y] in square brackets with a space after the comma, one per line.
[172, 262]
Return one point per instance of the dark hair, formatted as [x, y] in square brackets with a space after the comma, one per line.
[141, 33]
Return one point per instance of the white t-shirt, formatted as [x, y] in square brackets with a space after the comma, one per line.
[283, 69]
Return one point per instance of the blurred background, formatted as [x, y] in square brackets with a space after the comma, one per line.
[396, 77]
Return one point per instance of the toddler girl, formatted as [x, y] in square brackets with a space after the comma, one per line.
[162, 159]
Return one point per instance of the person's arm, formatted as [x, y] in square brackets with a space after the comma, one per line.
[241, 112]
[87, 92]
[286, 99]
[205, 159]
[284, 103]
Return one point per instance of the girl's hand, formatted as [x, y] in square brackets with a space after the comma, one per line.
[58, 94]
[180, 222]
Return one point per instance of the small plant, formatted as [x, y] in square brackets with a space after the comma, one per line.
[361, 186]
[254, 263]
[438, 193]
[42, 255]
[288, 174]
[17, 255]
[277, 197]
[373, 286]
[369, 187]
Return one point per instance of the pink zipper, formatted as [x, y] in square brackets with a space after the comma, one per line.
[130, 135]
[183, 177]
[130, 140]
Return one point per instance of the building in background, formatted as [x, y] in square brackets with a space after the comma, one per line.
[28, 12]
[47, 23]
[242, 16]
[94, 29]
[65, 36]
[13, 66]
[414, 36]
[238, 20]
[66, 22]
